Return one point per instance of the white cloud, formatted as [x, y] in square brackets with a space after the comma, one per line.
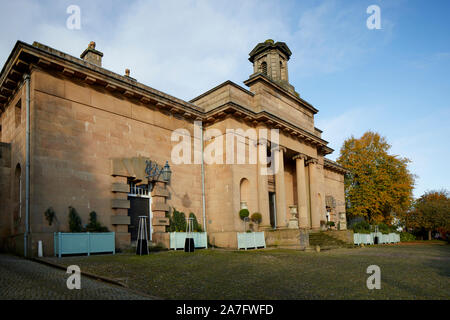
[186, 47]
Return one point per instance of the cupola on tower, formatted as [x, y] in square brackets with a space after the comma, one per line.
[271, 60]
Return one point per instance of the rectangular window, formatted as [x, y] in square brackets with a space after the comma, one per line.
[18, 111]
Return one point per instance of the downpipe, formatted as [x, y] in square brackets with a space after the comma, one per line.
[203, 182]
[27, 166]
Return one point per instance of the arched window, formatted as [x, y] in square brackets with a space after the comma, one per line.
[245, 192]
[264, 68]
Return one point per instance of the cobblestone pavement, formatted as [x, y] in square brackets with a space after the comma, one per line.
[25, 279]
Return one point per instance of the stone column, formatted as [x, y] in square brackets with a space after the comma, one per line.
[263, 188]
[280, 188]
[322, 207]
[302, 196]
[314, 193]
[159, 210]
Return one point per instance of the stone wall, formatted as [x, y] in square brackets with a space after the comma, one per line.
[78, 130]
[343, 235]
[12, 162]
[334, 186]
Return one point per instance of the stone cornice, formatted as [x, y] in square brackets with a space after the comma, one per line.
[25, 56]
[261, 77]
[331, 165]
[228, 82]
[239, 112]
[270, 45]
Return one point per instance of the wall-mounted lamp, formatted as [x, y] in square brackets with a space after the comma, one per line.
[154, 171]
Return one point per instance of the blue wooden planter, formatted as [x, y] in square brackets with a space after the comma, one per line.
[84, 243]
[250, 240]
[177, 240]
[363, 238]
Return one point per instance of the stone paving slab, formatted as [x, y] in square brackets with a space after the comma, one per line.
[26, 279]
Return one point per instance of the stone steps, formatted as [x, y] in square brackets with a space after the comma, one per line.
[325, 241]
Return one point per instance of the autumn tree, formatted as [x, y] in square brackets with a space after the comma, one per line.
[431, 212]
[379, 185]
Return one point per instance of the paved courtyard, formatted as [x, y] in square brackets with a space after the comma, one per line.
[408, 271]
[25, 279]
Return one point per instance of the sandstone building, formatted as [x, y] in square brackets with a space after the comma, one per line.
[75, 134]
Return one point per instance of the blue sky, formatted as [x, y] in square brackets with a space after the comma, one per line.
[394, 81]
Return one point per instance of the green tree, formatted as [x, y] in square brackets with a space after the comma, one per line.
[379, 185]
[431, 212]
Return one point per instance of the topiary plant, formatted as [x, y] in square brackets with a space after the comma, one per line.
[256, 217]
[244, 213]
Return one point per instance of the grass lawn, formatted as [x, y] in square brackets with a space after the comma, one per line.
[413, 271]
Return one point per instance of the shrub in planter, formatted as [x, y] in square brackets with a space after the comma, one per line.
[74, 221]
[94, 225]
[244, 213]
[406, 236]
[196, 225]
[330, 223]
[256, 217]
[384, 228]
[177, 222]
[50, 215]
[361, 227]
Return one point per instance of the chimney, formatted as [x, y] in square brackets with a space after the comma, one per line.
[91, 55]
[127, 74]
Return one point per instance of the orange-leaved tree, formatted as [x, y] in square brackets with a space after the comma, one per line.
[431, 212]
[379, 185]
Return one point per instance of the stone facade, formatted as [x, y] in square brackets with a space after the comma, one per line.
[91, 132]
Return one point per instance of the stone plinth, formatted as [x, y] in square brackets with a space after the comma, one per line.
[293, 223]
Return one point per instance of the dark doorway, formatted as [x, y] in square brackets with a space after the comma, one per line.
[138, 207]
[272, 210]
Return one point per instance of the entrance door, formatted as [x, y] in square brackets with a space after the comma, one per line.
[273, 210]
[138, 207]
